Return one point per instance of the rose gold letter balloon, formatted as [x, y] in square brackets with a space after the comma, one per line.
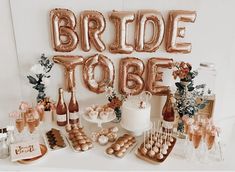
[63, 23]
[92, 26]
[107, 71]
[145, 17]
[69, 63]
[130, 76]
[154, 75]
[120, 20]
[174, 31]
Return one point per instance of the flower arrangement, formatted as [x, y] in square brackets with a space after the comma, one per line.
[41, 79]
[47, 103]
[115, 101]
[189, 98]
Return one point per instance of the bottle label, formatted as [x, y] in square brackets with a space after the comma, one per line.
[168, 125]
[73, 116]
[61, 118]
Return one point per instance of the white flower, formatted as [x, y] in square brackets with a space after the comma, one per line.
[109, 90]
[46, 81]
[37, 69]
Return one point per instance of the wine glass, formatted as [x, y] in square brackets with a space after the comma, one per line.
[209, 141]
[20, 123]
[31, 122]
[196, 140]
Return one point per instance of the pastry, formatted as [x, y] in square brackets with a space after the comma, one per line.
[120, 147]
[151, 153]
[110, 151]
[79, 141]
[103, 140]
[144, 150]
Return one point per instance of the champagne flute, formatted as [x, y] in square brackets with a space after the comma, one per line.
[19, 123]
[196, 139]
[31, 122]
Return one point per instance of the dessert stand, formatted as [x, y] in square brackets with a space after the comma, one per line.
[99, 121]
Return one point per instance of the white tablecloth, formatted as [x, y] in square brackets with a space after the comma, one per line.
[95, 159]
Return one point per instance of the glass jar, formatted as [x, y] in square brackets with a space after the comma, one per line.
[10, 135]
[4, 147]
[207, 75]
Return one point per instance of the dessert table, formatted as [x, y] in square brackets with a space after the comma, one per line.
[96, 159]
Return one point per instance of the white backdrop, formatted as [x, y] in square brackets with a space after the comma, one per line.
[212, 37]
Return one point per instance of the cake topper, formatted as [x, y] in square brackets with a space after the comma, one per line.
[144, 98]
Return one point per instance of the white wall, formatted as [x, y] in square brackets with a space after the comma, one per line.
[9, 72]
[212, 37]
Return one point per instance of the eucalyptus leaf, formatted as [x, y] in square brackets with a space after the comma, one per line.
[190, 88]
[32, 80]
[179, 85]
[202, 106]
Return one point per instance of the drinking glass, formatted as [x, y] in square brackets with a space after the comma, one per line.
[19, 123]
[31, 122]
[196, 140]
[4, 147]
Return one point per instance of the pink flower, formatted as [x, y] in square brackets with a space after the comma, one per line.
[185, 118]
[24, 106]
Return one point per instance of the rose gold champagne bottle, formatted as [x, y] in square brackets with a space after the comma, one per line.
[168, 113]
[61, 109]
[73, 108]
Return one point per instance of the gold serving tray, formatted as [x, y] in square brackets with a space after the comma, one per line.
[43, 149]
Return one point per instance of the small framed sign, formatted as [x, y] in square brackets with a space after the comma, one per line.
[25, 150]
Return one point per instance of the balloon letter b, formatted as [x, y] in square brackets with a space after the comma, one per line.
[130, 76]
[63, 23]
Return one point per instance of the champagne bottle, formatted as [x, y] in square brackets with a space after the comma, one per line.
[61, 109]
[73, 108]
[168, 113]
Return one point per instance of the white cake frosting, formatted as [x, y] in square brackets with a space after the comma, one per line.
[135, 118]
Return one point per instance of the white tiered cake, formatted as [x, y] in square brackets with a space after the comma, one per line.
[134, 118]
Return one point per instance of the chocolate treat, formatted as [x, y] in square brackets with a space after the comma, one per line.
[55, 139]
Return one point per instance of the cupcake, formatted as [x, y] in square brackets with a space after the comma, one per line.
[104, 115]
[93, 115]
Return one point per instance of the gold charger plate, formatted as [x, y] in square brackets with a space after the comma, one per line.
[43, 149]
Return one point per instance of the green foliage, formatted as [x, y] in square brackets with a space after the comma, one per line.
[37, 81]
